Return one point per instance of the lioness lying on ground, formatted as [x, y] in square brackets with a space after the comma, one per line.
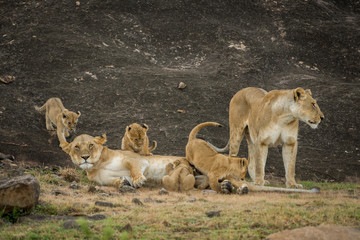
[179, 176]
[135, 139]
[268, 119]
[56, 114]
[216, 166]
[111, 167]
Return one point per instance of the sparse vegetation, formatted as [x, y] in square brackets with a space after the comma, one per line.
[252, 216]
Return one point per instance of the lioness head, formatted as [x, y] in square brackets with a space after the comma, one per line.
[136, 133]
[70, 119]
[306, 108]
[85, 150]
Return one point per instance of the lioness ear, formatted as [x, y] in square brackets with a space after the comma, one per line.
[299, 94]
[128, 128]
[66, 147]
[100, 140]
[145, 126]
[308, 92]
[79, 113]
[64, 115]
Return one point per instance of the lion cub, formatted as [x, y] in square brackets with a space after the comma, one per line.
[179, 176]
[223, 171]
[136, 140]
[56, 114]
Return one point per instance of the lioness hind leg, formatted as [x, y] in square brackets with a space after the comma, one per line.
[236, 137]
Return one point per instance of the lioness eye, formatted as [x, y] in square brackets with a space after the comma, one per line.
[91, 146]
[314, 105]
[77, 147]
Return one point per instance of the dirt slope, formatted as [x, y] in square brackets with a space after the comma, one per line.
[120, 62]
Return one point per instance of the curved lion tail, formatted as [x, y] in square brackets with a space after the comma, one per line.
[153, 146]
[40, 109]
[196, 129]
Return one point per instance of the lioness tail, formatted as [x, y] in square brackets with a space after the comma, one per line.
[196, 129]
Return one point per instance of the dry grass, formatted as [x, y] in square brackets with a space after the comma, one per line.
[252, 216]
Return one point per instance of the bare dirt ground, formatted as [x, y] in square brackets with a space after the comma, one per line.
[120, 62]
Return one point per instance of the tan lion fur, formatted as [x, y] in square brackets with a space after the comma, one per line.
[216, 166]
[179, 176]
[110, 167]
[269, 119]
[56, 114]
[135, 139]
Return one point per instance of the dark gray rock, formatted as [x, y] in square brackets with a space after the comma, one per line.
[104, 204]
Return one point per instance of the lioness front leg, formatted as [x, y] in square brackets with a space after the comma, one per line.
[137, 177]
[260, 161]
[289, 151]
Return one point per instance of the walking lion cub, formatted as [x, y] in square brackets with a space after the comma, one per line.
[56, 114]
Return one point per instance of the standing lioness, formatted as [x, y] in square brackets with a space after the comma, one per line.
[269, 119]
[64, 120]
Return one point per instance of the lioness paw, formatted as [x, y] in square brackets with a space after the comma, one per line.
[138, 182]
[243, 189]
[226, 187]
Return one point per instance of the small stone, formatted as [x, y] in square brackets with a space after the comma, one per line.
[137, 201]
[126, 228]
[91, 189]
[159, 201]
[127, 189]
[74, 185]
[166, 223]
[191, 199]
[57, 192]
[104, 204]
[148, 200]
[71, 224]
[97, 217]
[181, 111]
[211, 214]
[208, 192]
[181, 85]
[163, 191]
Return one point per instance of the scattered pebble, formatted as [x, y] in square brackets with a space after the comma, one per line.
[74, 185]
[91, 189]
[163, 191]
[191, 199]
[127, 189]
[59, 192]
[137, 201]
[181, 111]
[181, 85]
[97, 217]
[126, 228]
[208, 192]
[211, 214]
[104, 204]
[71, 224]
[148, 200]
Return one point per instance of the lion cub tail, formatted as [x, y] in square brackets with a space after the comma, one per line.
[196, 129]
[40, 109]
[153, 146]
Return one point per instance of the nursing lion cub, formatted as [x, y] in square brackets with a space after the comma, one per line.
[222, 171]
[56, 114]
[135, 139]
[111, 167]
[179, 176]
[268, 119]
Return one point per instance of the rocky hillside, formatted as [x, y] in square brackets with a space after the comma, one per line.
[120, 62]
